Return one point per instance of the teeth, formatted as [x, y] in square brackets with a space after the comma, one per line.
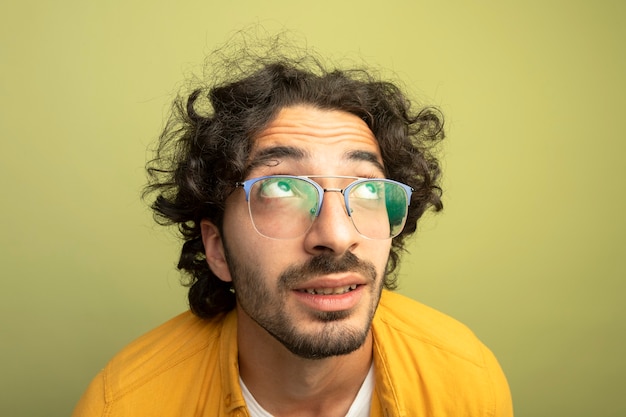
[330, 291]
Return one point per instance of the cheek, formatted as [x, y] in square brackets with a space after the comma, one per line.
[237, 225]
[248, 247]
[379, 255]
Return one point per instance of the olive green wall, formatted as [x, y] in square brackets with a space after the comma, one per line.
[529, 251]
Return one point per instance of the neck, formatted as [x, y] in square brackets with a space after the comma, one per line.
[286, 384]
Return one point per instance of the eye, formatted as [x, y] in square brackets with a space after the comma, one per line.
[367, 191]
[278, 188]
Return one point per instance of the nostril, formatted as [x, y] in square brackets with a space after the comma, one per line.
[323, 249]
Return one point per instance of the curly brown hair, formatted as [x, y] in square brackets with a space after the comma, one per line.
[204, 147]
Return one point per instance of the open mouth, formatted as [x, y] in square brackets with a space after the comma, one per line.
[330, 291]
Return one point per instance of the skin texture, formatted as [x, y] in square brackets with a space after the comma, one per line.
[300, 353]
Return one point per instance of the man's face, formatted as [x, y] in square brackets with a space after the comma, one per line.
[316, 294]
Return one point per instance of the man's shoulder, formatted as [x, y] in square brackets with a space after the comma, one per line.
[427, 361]
[411, 322]
[171, 347]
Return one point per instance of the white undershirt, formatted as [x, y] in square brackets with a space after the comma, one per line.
[360, 406]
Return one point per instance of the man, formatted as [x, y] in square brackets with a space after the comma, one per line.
[294, 189]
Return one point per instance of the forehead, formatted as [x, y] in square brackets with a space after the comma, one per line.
[324, 139]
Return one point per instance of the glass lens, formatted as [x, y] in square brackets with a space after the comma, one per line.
[378, 208]
[283, 207]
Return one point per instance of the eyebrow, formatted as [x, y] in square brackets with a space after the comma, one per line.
[366, 157]
[272, 156]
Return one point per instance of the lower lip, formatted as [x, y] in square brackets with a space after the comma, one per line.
[333, 302]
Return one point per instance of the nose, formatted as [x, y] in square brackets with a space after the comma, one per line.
[332, 231]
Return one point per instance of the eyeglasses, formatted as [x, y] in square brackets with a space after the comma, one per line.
[285, 206]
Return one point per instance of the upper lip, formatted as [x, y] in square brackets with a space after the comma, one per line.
[332, 282]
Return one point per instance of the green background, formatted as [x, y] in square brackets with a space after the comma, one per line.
[529, 251]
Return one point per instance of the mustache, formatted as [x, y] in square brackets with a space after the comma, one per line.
[326, 264]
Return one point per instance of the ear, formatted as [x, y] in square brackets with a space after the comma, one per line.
[214, 250]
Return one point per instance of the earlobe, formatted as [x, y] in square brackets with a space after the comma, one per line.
[214, 250]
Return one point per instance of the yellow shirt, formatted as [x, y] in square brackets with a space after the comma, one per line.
[426, 364]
